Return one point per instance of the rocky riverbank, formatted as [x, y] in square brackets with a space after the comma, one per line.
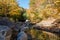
[26, 31]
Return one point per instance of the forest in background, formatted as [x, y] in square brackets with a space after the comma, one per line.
[43, 10]
[38, 11]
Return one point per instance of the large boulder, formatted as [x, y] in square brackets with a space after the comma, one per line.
[22, 36]
[5, 21]
[18, 26]
[50, 25]
[47, 22]
[21, 25]
[5, 33]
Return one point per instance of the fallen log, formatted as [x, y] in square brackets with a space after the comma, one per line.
[52, 30]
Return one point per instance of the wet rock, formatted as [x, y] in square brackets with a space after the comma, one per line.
[21, 25]
[5, 33]
[5, 21]
[18, 26]
[22, 36]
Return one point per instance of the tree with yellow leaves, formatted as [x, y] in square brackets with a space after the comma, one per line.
[3, 9]
[11, 9]
[43, 9]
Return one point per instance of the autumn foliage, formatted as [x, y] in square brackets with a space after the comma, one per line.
[11, 9]
[43, 9]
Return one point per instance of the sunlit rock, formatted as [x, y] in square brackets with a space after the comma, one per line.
[47, 22]
[49, 25]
